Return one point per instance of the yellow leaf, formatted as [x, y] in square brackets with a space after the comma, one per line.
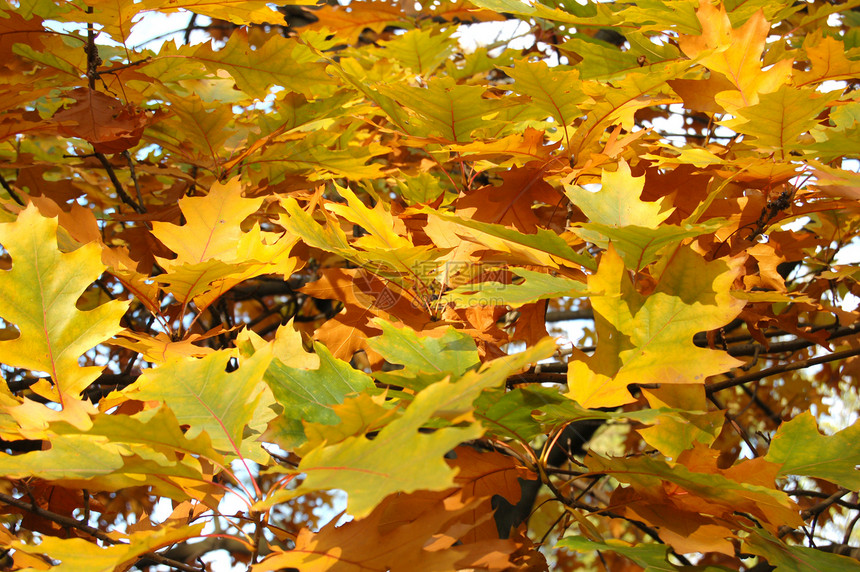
[618, 202]
[240, 12]
[649, 339]
[79, 555]
[735, 53]
[379, 223]
[213, 226]
[161, 347]
[827, 58]
[38, 296]
[213, 253]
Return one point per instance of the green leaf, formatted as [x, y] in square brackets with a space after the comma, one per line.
[444, 108]
[309, 394]
[279, 61]
[451, 353]
[540, 248]
[649, 339]
[779, 118]
[639, 246]
[557, 92]
[651, 557]
[802, 450]
[157, 429]
[69, 457]
[207, 398]
[534, 286]
[421, 51]
[785, 558]
[599, 59]
[369, 469]
[677, 15]
[511, 414]
[492, 375]
[320, 155]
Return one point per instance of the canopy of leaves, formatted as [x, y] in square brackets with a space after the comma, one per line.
[509, 285]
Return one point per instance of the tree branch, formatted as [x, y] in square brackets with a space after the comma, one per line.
[134, 180]
[824, 505]
[712, 388]
[562, 315]
[120, 191]
[11, 192]
[94, 532]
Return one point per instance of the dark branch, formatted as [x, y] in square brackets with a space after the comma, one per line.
[94, 532]
[11, 192]
[712, 388]
[120, 191]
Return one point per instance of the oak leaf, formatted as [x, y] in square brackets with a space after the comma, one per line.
[802, 450]
[108, 124]
[79, 555]
[736, 54]
[205, 397]
[650, 339]
[38, 296]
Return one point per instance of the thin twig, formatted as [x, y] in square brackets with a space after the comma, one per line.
[258, 535]
[131, 64]
[120, 191]
[133, 174]
[190, 27]
[819, 494]
[69, 522]
[825, 504]
[652, 532]
[849, 529]
[735, 425]
[719, 386]
[93, 59]
[765, 408]
[563, 315]
[11, 192]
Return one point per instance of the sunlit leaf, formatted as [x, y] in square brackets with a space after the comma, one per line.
[38, 296]
[803, 450]
[640, 339]
[205, 397]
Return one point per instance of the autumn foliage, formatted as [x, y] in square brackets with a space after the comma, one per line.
[578, 298]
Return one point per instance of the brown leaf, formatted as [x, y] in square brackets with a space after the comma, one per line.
[511, 203]
[425, 540]
[698, 94]
[108, 124]
[364, 296]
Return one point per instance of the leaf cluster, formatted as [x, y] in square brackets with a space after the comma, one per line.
[330, 257]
